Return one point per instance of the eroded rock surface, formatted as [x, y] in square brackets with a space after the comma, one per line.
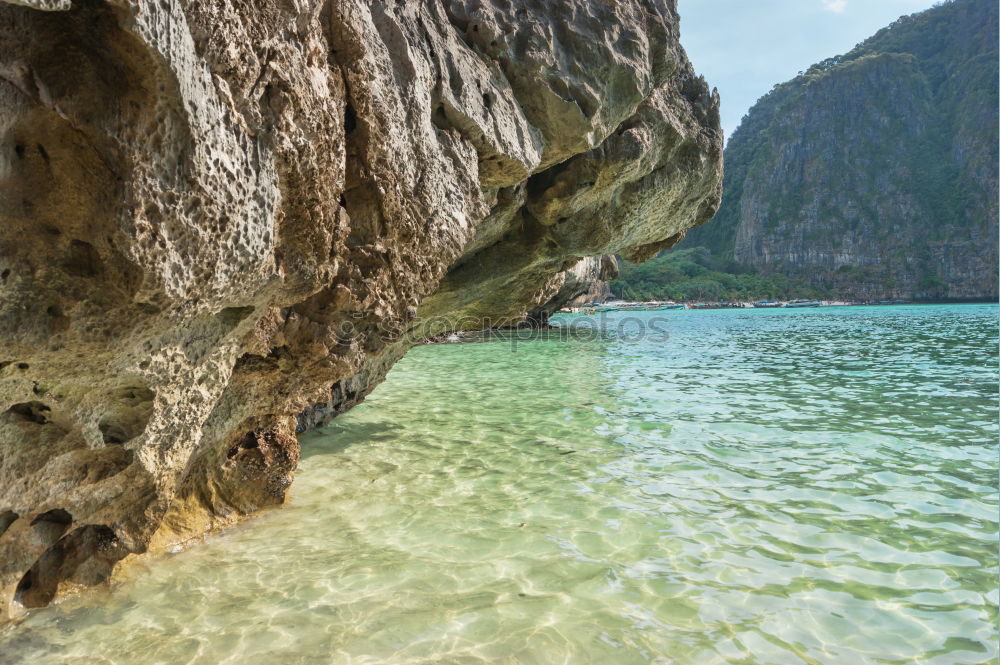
[222, 222]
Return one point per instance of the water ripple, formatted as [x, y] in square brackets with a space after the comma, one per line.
[763, 487]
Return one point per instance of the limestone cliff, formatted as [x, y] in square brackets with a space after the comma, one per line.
[874, 174]
[588, 282]
[585, 282]
[222, 222]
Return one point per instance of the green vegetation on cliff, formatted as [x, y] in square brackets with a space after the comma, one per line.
[874, 173]
[697, 274]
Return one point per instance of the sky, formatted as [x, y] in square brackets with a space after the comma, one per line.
[744, 47]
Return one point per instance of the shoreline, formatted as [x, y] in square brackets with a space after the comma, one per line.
[647, 306]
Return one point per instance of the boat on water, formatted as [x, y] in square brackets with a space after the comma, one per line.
[715, 305]
[803, 303]
[768, 303]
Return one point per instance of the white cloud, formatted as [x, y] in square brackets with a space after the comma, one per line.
[835, 6]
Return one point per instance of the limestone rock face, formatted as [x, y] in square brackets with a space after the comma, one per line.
[873, 175]
[586, 282]
[222, 222]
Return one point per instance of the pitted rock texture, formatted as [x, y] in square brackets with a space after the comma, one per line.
[222, 222]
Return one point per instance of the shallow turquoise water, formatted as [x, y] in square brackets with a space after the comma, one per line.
[760, 487]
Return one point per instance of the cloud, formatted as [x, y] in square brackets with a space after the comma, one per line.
[835, 6]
